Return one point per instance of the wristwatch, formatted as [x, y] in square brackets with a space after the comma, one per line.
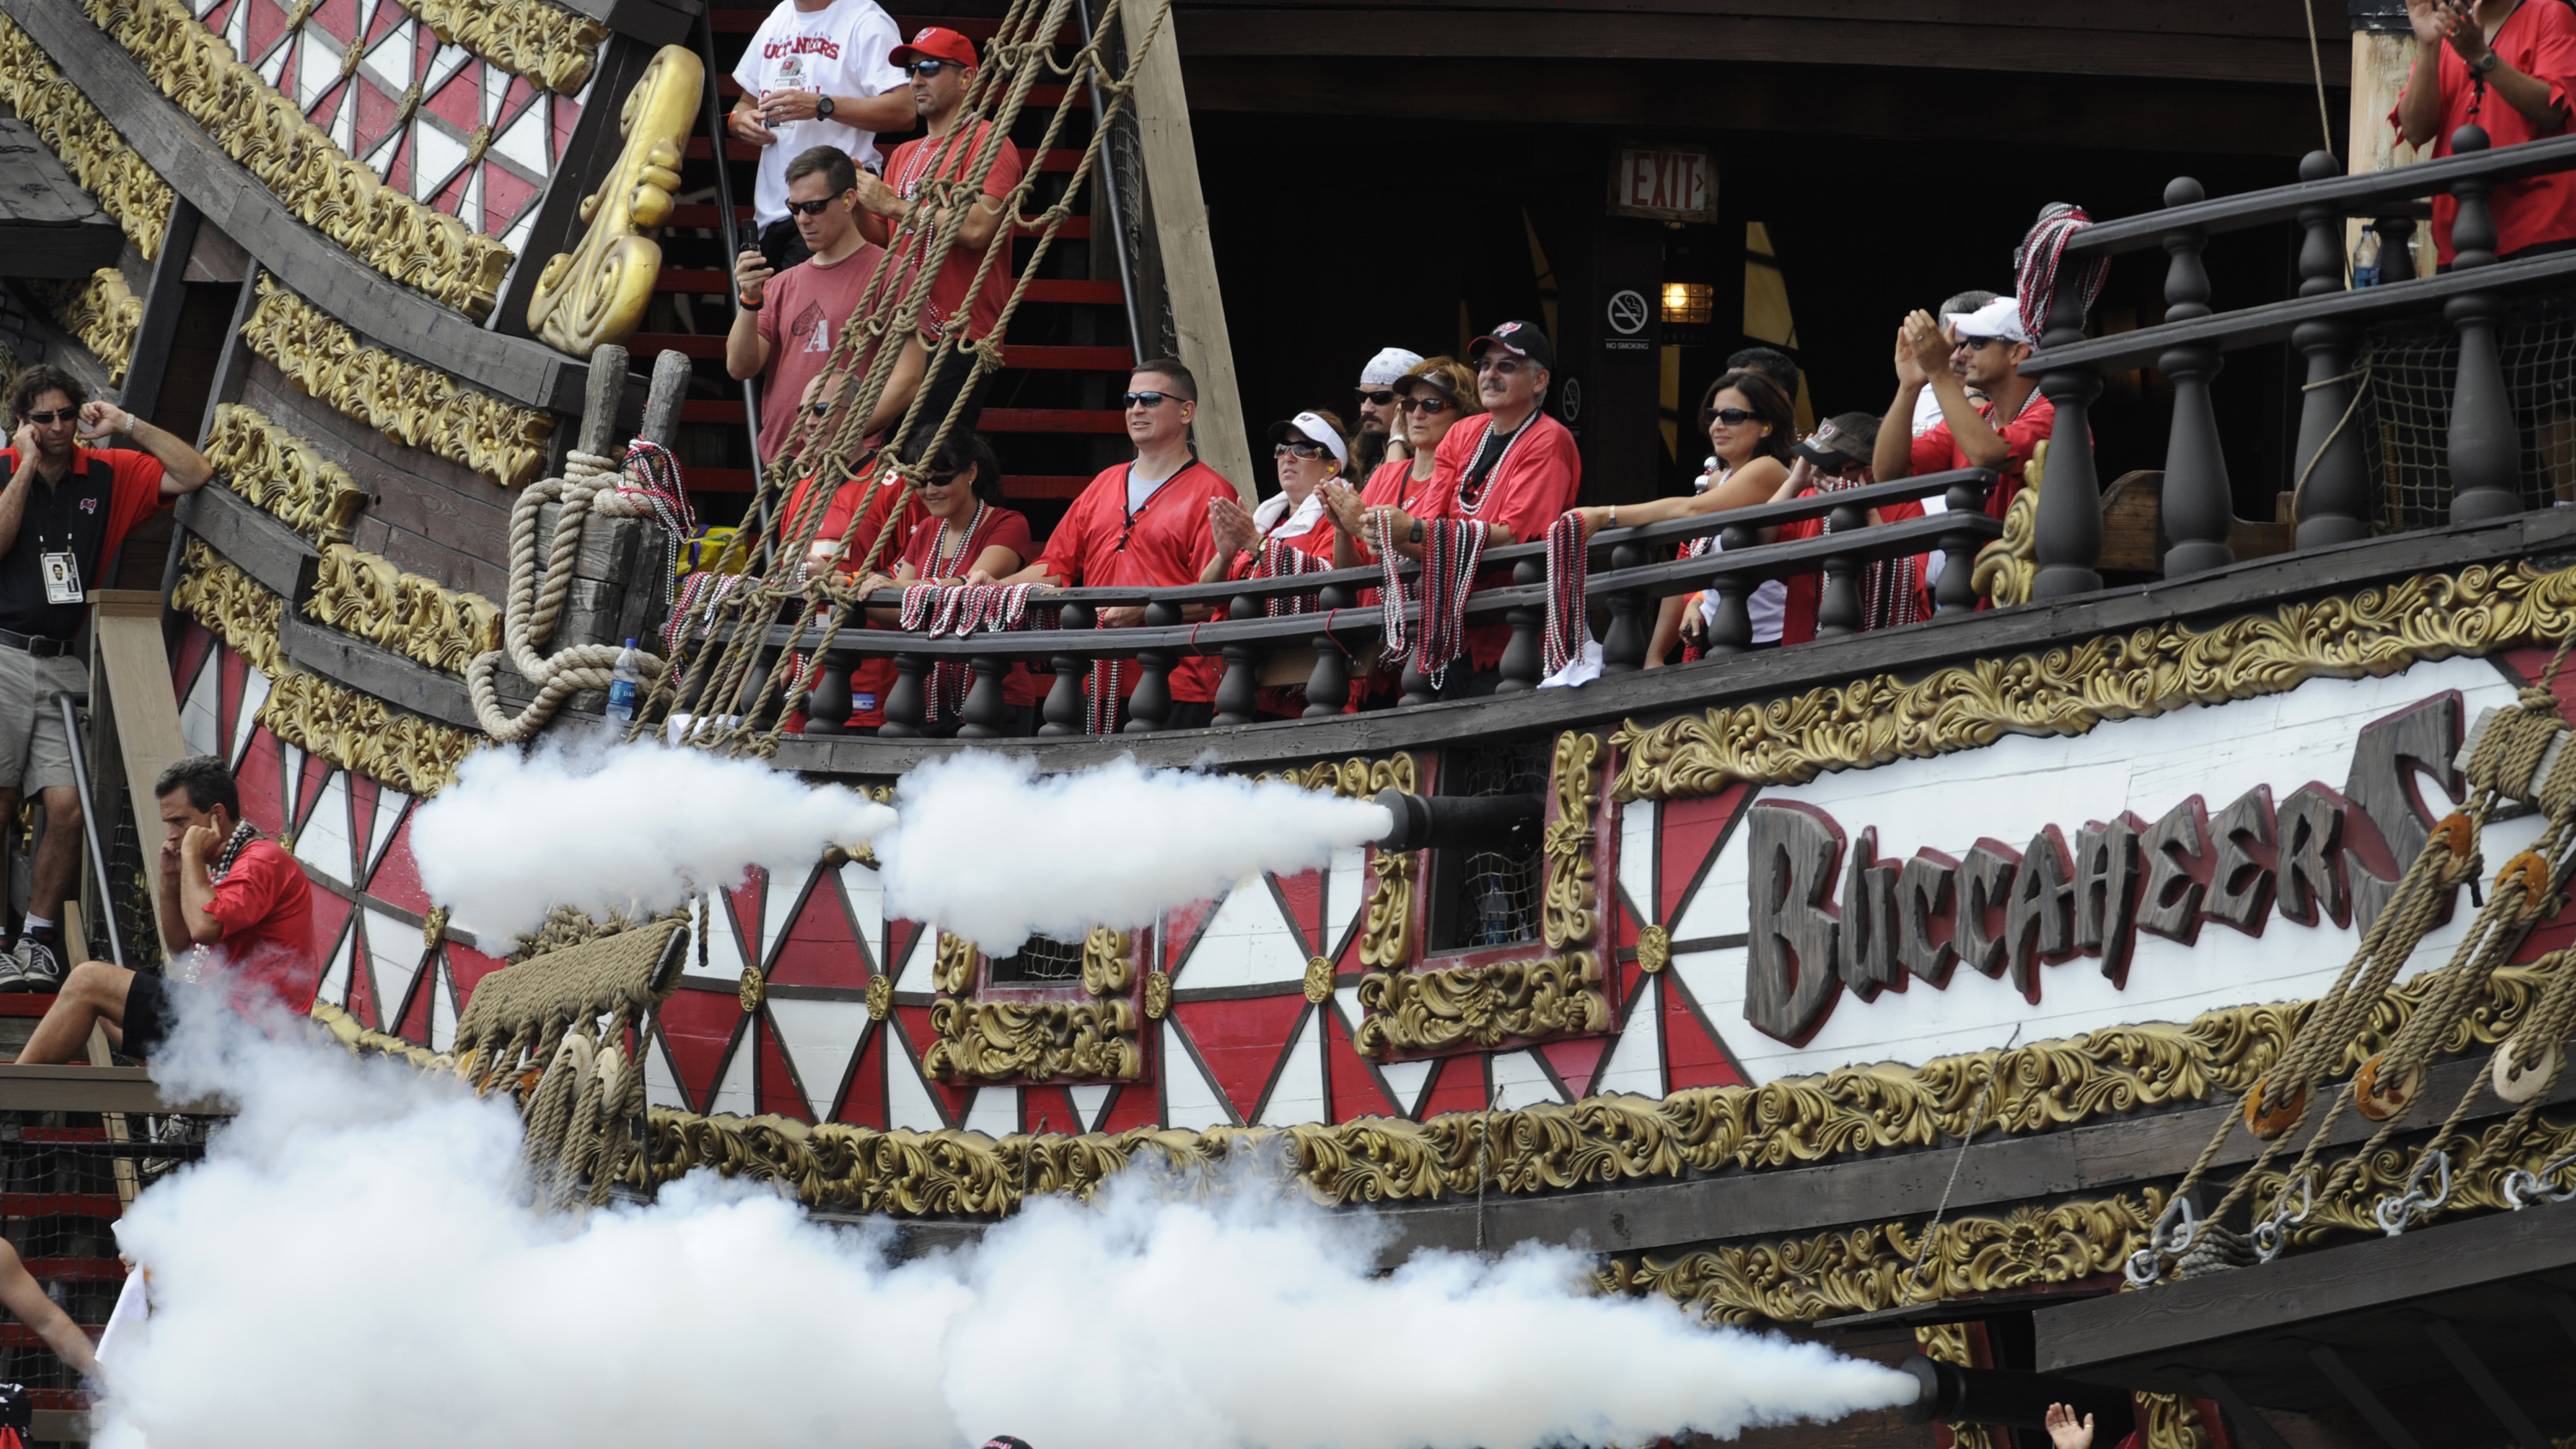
[823, 108]
[2484, 63]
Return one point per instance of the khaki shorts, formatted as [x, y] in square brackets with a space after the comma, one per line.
[34, 752]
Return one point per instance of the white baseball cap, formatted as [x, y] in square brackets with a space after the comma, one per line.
[1314, 430]
[1388, 366]
[1998, 318]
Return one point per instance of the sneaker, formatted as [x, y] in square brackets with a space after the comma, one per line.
[13, 977]
[39, 969]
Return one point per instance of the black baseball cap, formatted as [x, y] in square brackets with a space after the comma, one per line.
[1521, 339]
[1842, 441]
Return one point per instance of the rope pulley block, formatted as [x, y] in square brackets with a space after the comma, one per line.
[2269, 1122]
[2517, 1083]
[2380, 1090]
[2532, 873]
[2513, 749]
[2455, 833]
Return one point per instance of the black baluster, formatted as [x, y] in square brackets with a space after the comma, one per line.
[1624, 643]
[986, 715]
[1064, 707]
[1958, 586]
[903, 701]
[2197, 504]
[1524, 661]
[1731, 632]
[2068, 545]
[2486, 447]
[1838, 600]
[2333, 481]
[1238, 690]
[2396, 249]
[1151, 704]
[1328, 688]
[827, 706]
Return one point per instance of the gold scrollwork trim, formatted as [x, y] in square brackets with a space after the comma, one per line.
[596, 293]
[1352, 779]
[2069, 690]
[89, 148]
[551, 46]
[1654, 949]
[1480, 1006]
[2008, 567]
[1033, 1040]
[232, 604]
[1386, 936]
[281, 473]
[1566, 913]
[416, 245]
[368, 596]
[103, 313]
[361, 733]
[416, 406]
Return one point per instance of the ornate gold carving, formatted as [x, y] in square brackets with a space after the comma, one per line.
[413, 244]
[1460, 1006]
[89, 148]
[433, 927]
[596, 293]
[366, 595]
[281, 473]
[2173, 1422]
[1386, 932]
[2008, 566]
[953, 969]
[1108, 962]
[1654, 949]
[103, 313]
[2067, 691]
[880, 997]
[1319, 979]
[752, 989]
[990, 1040]
[1565, 912]
[1352, 779]
[1158, 995]
[416, 406]
[362, 733]
[551, 46]
[232, 604]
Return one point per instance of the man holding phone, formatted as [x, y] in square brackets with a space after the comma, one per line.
[815, 74]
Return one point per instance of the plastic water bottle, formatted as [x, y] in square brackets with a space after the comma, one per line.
[623, 686]
[2365, 259]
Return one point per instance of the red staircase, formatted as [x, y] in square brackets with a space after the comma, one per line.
[1050, 414]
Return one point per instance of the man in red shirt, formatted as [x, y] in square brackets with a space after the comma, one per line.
[236, 919]
[2468, 59]
[63, 516]
[1515, 469]
[785, 325]
[1144, 525]
[2000, 434]
[941, 65]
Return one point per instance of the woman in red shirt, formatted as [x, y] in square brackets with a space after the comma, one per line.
[1312, 450]
[967, 529]
[1435, 395]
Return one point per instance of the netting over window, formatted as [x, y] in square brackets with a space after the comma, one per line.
[2408, 370]
[1042, 962]
[1491, 897]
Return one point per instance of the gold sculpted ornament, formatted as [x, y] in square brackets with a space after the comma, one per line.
[880, 997]
[551, 46]
[752, 989]
[281, 473]
[1319, 979]
[988, 1040]
[596, 293]
[1158, 995]
[231, 604]
[362, 733]
[366, 595]
[2008, 567]
[103, 313]
[89, 148]
[1654, 949]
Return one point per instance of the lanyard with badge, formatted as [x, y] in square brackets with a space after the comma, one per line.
[61, 568]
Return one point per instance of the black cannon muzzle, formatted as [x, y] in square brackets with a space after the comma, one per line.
[2013, 1398]
[1504, 823]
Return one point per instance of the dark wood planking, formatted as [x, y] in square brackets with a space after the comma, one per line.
[49, 226]
[388, 676]
[2212, 19]
[163, 298]
[260, 546]
[386, 313]
[586, 157]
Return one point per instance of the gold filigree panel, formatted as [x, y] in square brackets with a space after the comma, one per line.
[282, 474]
[89, 148]
[103, 313]
[2007, 568]
[551, 46]
[416, 406]
[2067, 691]
[362, 733]
[595, 294]
[982, 1037]
[232, 605]
[416, 245]
[368, 596]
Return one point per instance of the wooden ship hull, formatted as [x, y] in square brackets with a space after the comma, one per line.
[1882, 988]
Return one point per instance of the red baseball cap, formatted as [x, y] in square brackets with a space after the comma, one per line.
[933, 43]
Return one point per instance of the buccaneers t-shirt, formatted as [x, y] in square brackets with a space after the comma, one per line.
[844, 49]
[802, 312]
[266, 906]
[954, 156]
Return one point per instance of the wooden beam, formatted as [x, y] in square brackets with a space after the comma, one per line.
[654, 22]
[149, 360]
[69, 1088]
[1189, 259]
[250, 540]
[133, 668]
[388, 676]
[50, 226]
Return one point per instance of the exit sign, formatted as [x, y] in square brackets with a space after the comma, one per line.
[1665, 183]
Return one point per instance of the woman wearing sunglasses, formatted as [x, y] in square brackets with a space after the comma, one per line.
[1433, 397]
[1311, 450]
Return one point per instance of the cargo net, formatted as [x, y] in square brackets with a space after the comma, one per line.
[1492, 896]
[1043, 961]
[2408, 369]
[65, 1178]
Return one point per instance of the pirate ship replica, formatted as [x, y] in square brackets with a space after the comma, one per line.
[2182, 910]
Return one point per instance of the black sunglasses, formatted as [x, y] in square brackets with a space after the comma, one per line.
[939, 480]
[1502, 365]
[1302, 450]
[58, 415]
[1732, 417]
[814, 207]
[1426, 405]
[1148, 399]
[928, 68]
[1972, 344]
[1381, 397]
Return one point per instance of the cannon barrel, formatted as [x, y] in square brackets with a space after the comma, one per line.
[1484, 822]
[2013, 1398]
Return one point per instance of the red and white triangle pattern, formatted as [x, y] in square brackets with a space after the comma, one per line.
[427, 154]
[1241, 1045]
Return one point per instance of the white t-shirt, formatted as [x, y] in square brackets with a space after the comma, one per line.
[841, 50]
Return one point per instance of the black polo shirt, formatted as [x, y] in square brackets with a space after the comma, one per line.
[89, 513]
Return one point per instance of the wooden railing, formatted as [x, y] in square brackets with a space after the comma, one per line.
[1342, 632]
[2335, 493]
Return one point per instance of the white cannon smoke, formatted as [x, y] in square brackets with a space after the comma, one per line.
[985, 846]
[352, 1263]
[631, 828]
[996, 853]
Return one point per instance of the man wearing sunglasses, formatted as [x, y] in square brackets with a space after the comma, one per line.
[63, 516]
[1143, 525]
[1380, 392]
[785, 325]
[941, 66]
[815, 74]
[2000, 434]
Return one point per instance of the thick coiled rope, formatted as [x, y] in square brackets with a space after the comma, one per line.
[535, 605]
